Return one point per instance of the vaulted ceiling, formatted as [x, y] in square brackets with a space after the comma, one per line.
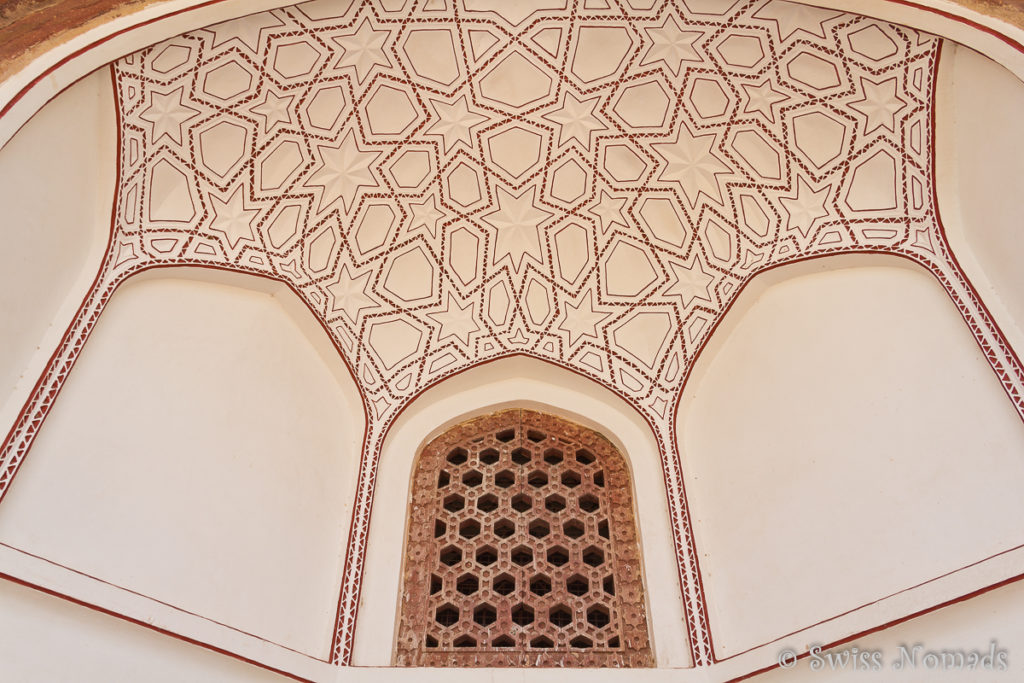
[589, 183]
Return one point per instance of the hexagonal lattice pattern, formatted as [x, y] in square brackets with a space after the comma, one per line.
[524, 569]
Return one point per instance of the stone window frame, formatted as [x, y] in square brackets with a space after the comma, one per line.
[507, 469]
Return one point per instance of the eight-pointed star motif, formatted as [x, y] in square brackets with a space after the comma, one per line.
[692, 162]
[167, 113]
[344, 170]
[517, 223]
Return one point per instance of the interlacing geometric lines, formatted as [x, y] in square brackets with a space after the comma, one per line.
[590, 182]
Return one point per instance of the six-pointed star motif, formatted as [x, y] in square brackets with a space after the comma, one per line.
[343, 170]
[517, 223]
[232, 219]
[167, 114]
[879, 105]
[671, 45]
[455, 122]
[363, 50]
[692, 162]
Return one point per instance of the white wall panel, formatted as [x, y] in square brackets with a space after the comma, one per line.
[57, 191]
[844, 440]
[203, 453]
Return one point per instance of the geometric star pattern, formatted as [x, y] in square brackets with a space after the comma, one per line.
[591, 190]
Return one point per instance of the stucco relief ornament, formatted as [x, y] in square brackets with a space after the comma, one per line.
[448, 183]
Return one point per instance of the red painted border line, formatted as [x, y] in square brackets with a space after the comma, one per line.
[159, 602]
[963, 20]
[889, 624]
[100, 41]
[96, 43]
[874, 602]
[152, 627]
[909, 3]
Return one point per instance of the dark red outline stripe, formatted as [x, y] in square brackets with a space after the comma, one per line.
[908, 3]
[152, 627]
[889, 624]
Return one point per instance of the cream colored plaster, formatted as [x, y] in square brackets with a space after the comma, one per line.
[203, 453]
[843, 440]
[58, 186]
[529, 383]
[980, 179]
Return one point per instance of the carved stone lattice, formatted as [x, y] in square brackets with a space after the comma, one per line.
[522, 550]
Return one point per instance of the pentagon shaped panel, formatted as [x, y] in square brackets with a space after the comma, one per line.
[745, 51]
[568, 181]
[600, 51]
[622, 163]
[821, 138]
[411, 276]
[411, 169]
[227, 80]
[222, 146]
[872, 43]
[171, 57]
[813, 71]
[464, 185]
[627, 270]
[665, 220]
[873, 184]
[325, 107]
[394, 341]
[431, 55]
[515, 150]
[572, 254]
[373, 227]
[643, 105]
[758, 153]
[279, 165]
[515, 82]
[708, 99]
[389, 111]
[294, 59]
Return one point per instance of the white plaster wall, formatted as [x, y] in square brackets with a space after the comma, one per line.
[528, 383]
[980, 171]
[44, 639]
[843, 440]
[203, 453]
[56, 192]
[966, 626]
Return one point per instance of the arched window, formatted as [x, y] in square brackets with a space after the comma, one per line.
[522, 549]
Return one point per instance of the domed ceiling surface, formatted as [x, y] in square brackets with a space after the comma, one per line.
[591, 183]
